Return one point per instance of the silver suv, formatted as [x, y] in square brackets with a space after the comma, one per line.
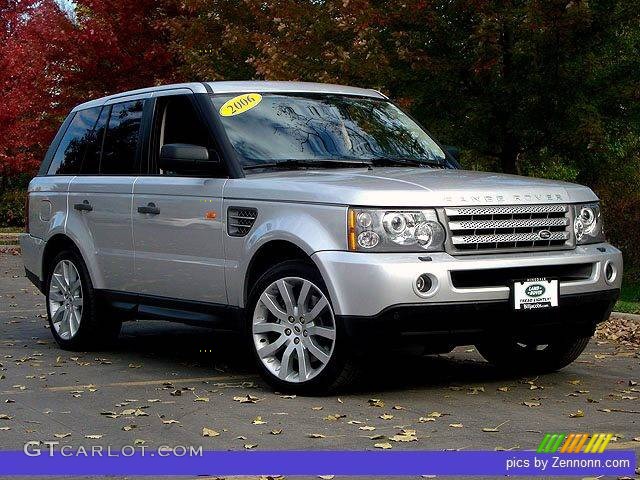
[315, 219]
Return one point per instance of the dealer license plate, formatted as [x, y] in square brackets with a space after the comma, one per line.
[535, 293]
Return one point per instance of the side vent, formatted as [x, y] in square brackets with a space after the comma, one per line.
[240, 220]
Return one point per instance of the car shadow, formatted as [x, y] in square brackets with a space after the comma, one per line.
[204, 352]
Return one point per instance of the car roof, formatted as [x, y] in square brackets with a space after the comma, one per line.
[231, 87]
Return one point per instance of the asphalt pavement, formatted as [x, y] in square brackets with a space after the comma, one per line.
[175, 385]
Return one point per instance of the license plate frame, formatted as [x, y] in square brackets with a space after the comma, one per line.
[535, 294]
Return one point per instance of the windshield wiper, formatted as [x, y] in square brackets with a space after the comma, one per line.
[302, 164]
[390, 161]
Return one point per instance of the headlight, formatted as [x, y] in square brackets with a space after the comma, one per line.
[394, 230]
[587, 224]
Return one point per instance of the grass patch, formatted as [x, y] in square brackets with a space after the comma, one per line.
[630, 293]
[11, 229]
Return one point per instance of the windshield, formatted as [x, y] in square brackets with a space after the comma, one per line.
[274, 128]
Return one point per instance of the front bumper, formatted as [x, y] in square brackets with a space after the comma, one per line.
[366, 284]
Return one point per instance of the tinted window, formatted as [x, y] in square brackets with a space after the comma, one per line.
[91, 162]
[121, 139]
[182, 123]
[70, 152]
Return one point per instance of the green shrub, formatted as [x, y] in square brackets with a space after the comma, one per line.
[12, 208]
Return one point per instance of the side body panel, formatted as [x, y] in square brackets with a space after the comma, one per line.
[310, 227]
[179, 251]
[47, 217]
[104, 233]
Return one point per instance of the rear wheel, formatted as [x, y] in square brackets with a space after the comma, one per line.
[296, 341]
[533, 357]
[71, 306]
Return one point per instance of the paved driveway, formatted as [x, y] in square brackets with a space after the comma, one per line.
[164, 383]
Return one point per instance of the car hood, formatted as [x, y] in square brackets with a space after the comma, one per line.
[404, 187]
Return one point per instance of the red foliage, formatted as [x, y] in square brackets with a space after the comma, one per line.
[50, 62]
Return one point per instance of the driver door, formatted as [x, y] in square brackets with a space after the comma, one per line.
[177, 219]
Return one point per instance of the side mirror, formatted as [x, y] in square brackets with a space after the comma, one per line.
[184, 157]
[454, 152]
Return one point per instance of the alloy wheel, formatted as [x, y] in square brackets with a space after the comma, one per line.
[294, 329]
[65, 299]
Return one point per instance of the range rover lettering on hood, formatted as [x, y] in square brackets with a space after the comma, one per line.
[515, 198]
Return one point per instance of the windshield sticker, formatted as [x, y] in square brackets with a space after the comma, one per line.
[240, 104]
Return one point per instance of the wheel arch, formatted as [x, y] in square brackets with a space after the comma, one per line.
[269, 254]
[56, 244]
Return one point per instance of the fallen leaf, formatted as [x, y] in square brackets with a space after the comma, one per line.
[316, 435]
[398, 407]
[456, 425]
[326, 477]
[503, 389]
[247, 399]
[375, 402]
[128, 428]
[258, 421]
[386, 416]
[169, 422]
[207, 432]
[384, 446]
[4, 416]
[93, 437]
[276, 432]
[317, 408]
[334, 417]
[367, 428]
[354, 422]
[531, 404]
[577, 414]
[426, 419]
[139, 441]
[250, 446]
[403, 438]
[287, 396]
[201, 399]
[494, 429]
[61, 435]
[435, 414]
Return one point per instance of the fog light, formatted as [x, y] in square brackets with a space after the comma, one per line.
[610, 272]
[424, 283]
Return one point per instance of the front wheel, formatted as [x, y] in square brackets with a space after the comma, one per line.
[532, 357]
[296, 341]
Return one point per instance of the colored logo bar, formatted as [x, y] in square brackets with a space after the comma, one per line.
[574, 442]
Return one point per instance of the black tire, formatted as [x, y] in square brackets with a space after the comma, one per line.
[94, 331]
[512, 356]
[340, 370]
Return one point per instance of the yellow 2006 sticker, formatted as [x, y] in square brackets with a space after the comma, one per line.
[240, 104]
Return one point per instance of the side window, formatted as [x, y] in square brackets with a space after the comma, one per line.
[119, 153]
[91, 162]
[181, 123]
[72, 148]
[177, 121]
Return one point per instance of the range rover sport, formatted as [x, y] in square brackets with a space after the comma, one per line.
[315, 219]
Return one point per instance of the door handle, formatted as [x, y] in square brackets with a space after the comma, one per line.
[83, 207]
[150, 209]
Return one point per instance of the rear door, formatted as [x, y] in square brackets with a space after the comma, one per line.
[100, 195]
[177, 219]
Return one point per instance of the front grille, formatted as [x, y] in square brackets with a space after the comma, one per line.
[240, 220]
[486, 229]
